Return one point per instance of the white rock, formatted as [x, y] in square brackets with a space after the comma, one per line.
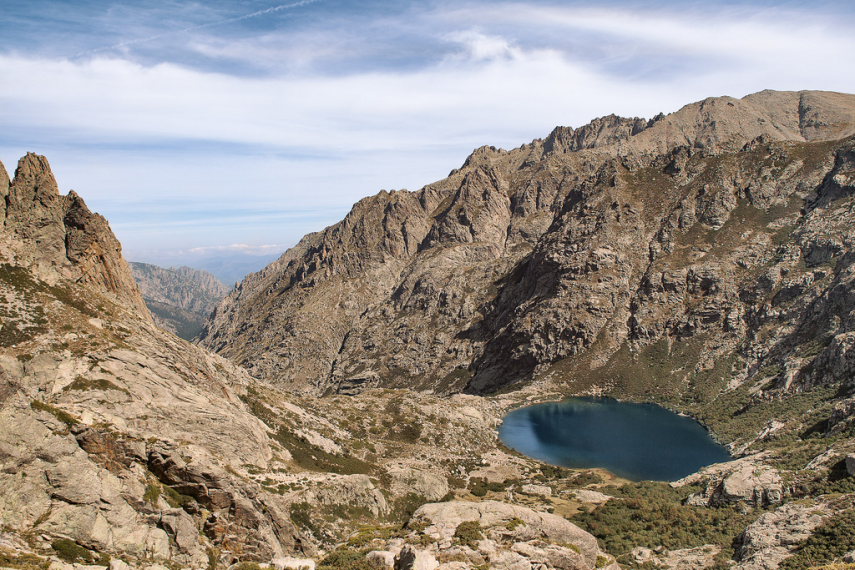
[381, 559]
[119, 564]
[289, 563]
[536, 490]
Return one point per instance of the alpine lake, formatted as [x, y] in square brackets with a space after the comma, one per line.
[633, 441]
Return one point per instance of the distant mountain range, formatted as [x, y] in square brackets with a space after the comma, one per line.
[180, 298]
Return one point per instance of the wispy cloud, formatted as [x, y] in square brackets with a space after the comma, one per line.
[316, 113]
[198, 27]
[246, 248]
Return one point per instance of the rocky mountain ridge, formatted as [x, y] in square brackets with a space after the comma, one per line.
[122, 445]
[552, 254]
[715, 278]
[180, 298]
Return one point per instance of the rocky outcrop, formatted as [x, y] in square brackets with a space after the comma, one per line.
[775, 535]
[462, 534]
[112, 431]
[693, 231]
[58, 237]
[746, 480]
[179, 298]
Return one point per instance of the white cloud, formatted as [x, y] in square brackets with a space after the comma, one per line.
[479, 47]
[245, 248]
[384, 129]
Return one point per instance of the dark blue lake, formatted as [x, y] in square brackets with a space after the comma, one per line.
[634, 441]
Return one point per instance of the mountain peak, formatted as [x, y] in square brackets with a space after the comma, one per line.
[58, 237]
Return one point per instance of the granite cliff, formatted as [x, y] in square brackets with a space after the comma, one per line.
[122, 445]
[717, 233]
[179, 298]
[702, 259]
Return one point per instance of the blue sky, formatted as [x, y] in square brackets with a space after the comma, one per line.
[242, 125]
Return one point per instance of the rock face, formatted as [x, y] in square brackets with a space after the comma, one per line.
[775, 535]
[746, 480]
[180, 298]
[57, 237]
[111, 430]
[120, 439]
[699, 232]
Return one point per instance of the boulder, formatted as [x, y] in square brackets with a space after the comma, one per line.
[289, 563]
[381, 559]
[412, 559]
[745, 480]
[536, 490]
[504, 522]
[775, 535]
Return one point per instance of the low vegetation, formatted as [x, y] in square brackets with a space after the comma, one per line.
[71, 552]
[468, 533]
[828, 544]
[345, 558]
[651, 514]
[61, 415]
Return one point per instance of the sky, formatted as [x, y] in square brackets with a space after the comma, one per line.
[232, 127]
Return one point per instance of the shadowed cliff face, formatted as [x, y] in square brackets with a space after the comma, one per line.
[622, 233]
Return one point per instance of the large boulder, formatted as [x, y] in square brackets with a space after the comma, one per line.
[504, 523]
[746, 480]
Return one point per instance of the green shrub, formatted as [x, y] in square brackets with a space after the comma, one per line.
[152, 493]
[404, 507]
[829, 542]
[469, 533]
[345, 559]
[478, 486]
[651, 514]
[514, 523]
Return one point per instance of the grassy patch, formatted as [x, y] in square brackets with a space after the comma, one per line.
[61, 415]
[313, 458]
[345, 558]
[21, 561]
[301, 515]
[84, 384]
[22, 280]
[368, 534]
[71, 552]
[152, 493]
[303, 452]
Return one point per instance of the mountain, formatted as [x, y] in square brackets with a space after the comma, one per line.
[180, 298]
[713, 237]
[702, 260]
[122, 445]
